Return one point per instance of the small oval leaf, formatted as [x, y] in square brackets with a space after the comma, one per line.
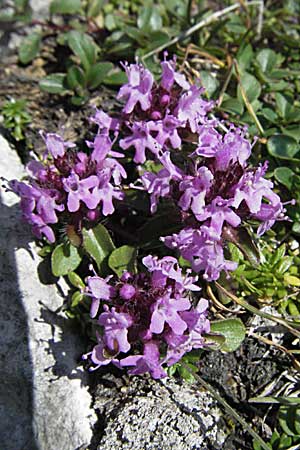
[29, 48]
[233, 330]
[283, 147]
[98, 244]
[98, 73]
[54, 84]
[123, 259]
[64, 259]
[65, 6]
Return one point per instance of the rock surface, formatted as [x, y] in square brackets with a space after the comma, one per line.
[44, 399]
[157, 415]
[40, 8]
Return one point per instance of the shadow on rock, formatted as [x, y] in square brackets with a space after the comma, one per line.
[16, 371]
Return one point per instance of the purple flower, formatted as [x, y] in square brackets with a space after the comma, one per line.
[195, 190]
[219, 211]
[101, 355]
[115, 329]
[106, 192]
[227, 150]
[252, 188]
[81, 190]
[170, 76]
[166, 310]
[268, 214]
[166, 130]
[55, 144]
[202, 249]
[233, 148]
[116, 170]
[166, 269]
[104, 121]
[209, 141]
[127, 291]
[141, 139]
[38, 207]
[101, 147]
[196, 318]
[160, 185]
[192, 108]
[138, 88]
[99, 289]
[198, 325]
[148, 362]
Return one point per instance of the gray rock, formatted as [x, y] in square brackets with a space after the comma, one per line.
[44, 399]
[40, 8]
[158, 415]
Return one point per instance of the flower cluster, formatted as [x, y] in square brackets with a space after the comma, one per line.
[205, 172]
[155, 116]
[214, 193]
[201, 168]
[74, 184]
[212, 186]
[148, 315]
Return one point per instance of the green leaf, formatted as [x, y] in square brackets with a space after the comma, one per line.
[75, 280]
[284, 106]
[65, 6]
[77, 298]
[278, 255]
[123, 259]
[285, 176]
[116, 79]
[64, 259]
[149, 19]
[75, 77]
[214, 341]
[251, 87]
[155, 39]
[233, 330]
[78, 100]
[244, 57]
[269, 114]
[292, 280]
[292, 131]
[267, 60]
[283, 147]
[84, 47]
[94, 8]
[29, 48]
[296, 227]
[54, 84]
[209, 82]
[233, 105]
[97, 73]
[98, 244]
[289, 419]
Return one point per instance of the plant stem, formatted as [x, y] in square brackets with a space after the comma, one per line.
[215, 16]
[227, 407]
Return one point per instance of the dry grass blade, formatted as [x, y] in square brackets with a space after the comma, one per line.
[256, 311]
[246, 101]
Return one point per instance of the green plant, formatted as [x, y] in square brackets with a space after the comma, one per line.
[275, 280]
[16, 117]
